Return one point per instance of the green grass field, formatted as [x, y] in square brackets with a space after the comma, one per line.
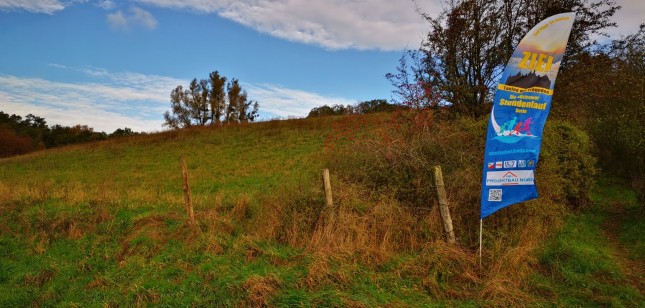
[104, 224]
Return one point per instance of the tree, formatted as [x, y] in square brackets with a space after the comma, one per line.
[199, 96]
[323, 110]
[31, 127]
[32, 133]
[217, 96]
[364, 107]
[236, 98]
[248, 110]
[190, 106]
[374, 106]
[123, 132]
[206, 102]
[181, 109]
[469, 43]
[13, 144]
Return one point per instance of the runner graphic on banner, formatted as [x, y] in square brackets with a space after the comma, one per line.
[520, 108]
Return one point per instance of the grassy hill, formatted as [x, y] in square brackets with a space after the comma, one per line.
[104, 224]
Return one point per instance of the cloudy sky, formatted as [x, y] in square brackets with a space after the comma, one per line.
[111, 64]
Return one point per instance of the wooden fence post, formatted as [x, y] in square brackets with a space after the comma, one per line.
[329, 201]
[443, 205]
[187, 195]
[327, 219]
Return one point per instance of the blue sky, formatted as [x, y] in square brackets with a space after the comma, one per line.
[111, 64]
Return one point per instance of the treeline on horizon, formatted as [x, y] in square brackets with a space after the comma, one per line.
[365, 107]
[20, 135]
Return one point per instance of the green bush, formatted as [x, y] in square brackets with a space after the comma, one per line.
[568, 151]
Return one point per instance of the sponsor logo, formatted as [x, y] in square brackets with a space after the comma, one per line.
[498, 165]
[491, 165]
[531, 163]
[510, 164]
[505, 178]
[521, 163]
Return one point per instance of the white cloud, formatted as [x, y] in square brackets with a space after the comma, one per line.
[119, 100]
[356, 24]
[333, 24]
[143, 18]
[33, 6]
[128, 99]
[99, 119]
[117, 21]
[136, 17]
[284, 102]
[106, 4]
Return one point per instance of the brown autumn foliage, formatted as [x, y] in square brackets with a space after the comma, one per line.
[12, 144]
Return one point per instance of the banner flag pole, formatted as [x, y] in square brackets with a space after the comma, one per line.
[481, 229]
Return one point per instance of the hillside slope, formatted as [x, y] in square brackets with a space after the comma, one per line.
[104, 224]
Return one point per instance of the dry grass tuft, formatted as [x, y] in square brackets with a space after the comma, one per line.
[321, 271]
[508, 264]
[445, 271]
[217, 226]
[318, 272]
[73, 231]
[269, 222]
[149, 234]
[350, 303]
[48, 227]
[288, 216]
[42, 191]
[39, 243]
[241, 211]
[260, 290]
[248, 246]
[6, 193]
[99, 282]
[146, 296]
[39, 280]
[105, 192]
[373, 229]
[214, 245]
[101, 215]
[214, 222]
[505, 279]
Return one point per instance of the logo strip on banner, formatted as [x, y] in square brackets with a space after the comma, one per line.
[504, 178]
[520, 108]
